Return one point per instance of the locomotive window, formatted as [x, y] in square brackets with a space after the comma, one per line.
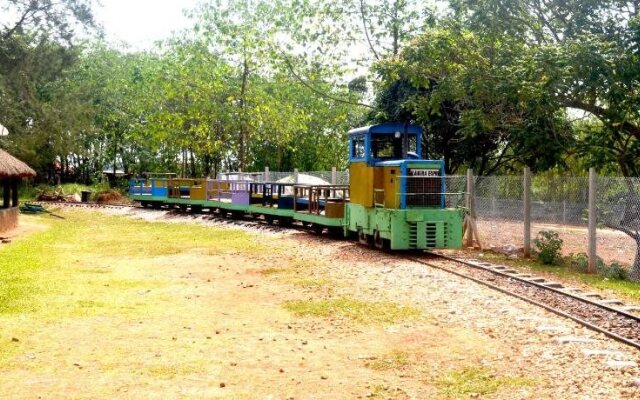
[413, 146]
[389, 146]
[386, 146]
[357, 144]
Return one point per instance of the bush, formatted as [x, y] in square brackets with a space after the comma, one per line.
[579, 262]
[548, 245]
[615, 271]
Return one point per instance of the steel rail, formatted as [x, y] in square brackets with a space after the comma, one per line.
[538, 284]
[554, 310]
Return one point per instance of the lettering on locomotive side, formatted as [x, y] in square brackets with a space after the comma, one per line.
[424, 172]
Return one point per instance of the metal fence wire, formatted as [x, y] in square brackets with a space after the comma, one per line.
[456, 191]
[499, 197]
[618, 202]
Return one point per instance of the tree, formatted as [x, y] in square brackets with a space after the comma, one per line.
[36, 48]
[456, 84]
[581, 55]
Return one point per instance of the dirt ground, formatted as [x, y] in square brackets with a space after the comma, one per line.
[612, 245]
[236, 325]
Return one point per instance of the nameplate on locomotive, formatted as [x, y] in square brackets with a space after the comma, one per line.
[425, 172]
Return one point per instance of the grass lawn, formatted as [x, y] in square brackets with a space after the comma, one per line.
[96, 306]
[36, 272]
[75, 282]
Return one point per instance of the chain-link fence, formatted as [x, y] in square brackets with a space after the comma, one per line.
[618, 204]
[560, 204]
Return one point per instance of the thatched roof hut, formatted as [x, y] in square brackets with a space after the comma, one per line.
[13, 169]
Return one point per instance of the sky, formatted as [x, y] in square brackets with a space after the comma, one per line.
[141, 22]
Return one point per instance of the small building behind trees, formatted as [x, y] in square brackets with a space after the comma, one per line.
[12, 171]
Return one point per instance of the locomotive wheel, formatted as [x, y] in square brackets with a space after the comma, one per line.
[379, 242]
[183, 208]
[363, 238]
[317, 229]
[336, 232]
[285, 222]
[269, 219]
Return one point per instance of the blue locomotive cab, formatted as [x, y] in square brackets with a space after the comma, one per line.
[384, 142]
[387, 169]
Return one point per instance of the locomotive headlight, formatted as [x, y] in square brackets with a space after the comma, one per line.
[397, 135]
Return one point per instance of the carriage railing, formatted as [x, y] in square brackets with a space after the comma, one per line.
[268, 193]
[187, 188]
[328, 200]
[378, 198]
[148, 186]
[228, 191]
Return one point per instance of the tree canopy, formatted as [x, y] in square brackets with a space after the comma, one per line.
[497, 85]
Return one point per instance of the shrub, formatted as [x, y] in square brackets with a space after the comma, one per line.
[548, 245]
[579, 262]
[616, 271]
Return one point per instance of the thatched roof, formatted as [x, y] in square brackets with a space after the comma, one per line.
[11, 167]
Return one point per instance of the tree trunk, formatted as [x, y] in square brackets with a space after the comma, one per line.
[242, 142]
[279, 160]
[634, 271]
[183, 173]
[193, 163]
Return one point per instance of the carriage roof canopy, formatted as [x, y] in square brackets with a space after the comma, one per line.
[12, 168]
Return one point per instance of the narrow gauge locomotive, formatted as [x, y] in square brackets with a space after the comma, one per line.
[394, 200]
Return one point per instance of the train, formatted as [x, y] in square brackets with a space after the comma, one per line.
[395, 200]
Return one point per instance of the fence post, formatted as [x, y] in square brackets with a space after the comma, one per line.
[564, 212]
[265, 177]
[334, 176]
[470, 193]
[527, 212]
[470, 206]
[295, 175]
[593, 180]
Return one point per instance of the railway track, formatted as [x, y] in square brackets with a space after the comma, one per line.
[588, 309]
[609, 317]
[83, 205]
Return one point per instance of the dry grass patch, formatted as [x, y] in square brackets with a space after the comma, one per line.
[381, 392]
[272, 271]
[360, 311]
[392, 361]
[474, 381]
[91, 264]
[171, 371]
